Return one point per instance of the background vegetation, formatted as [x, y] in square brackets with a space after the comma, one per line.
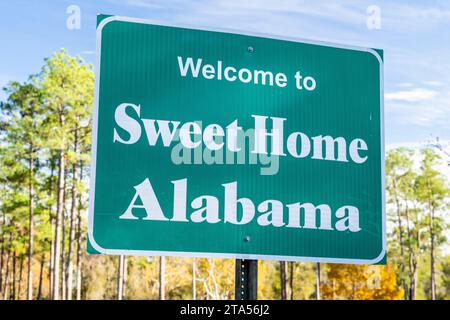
[45, 132]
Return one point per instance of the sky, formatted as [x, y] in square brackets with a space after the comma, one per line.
[415, 37]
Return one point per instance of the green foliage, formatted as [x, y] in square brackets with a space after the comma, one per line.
[418, 200]
[445, 292]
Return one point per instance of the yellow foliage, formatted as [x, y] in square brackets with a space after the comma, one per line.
[360, 282]
[215, 279]
[266, 271]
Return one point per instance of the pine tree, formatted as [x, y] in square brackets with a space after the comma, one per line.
[402, 193]
[432, 190]
[67, 85]
[24, 109]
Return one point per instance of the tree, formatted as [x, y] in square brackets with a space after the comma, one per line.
[15, 203]
[402, 194]
[67, 85]
[283, 280]
[360, 282]
[432, 190]
[446, 279]
[121, 277]
[217, 278]
[24, 109]
[162, 278]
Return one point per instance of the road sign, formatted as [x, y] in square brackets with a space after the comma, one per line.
[212, 143]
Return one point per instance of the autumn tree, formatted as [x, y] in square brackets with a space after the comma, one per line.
[216, 277]
[360, 282]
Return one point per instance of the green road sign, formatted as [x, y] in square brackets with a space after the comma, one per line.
[212, 143]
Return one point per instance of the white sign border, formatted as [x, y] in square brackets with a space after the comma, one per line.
[98, 248]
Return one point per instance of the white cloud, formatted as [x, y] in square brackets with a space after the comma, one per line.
[433, 83]
[319, 9]
[170, 6]
[416, 94]
[405, 85]
[325, 21]
[158, 4]
[431, 13]
[409, 145]
[404, 17]
[295, 18]
[394, 14]
[418, 110]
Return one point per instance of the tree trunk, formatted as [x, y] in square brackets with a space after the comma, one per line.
[291, 280]
[2, 254]
[400, 235]
[162, 284]
[432, 235]
[318, 281]
[30, 228]
[414, 289]
[399, 219]
[41, 274]
[5, 286]
[3, 289]
[63, 242]
[69, 274]
[51, 266]
[283, 280]
[59, 212]
[19, 290]
[413, 280]
[194, 280]
[78, 259]
[13, 284]
[432, 257]
[124, 277]
[52, 227]
[120, 278]
[79, 239]
[411, 293]
[1, 270]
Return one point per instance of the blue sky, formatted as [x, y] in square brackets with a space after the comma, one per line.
[415, 37]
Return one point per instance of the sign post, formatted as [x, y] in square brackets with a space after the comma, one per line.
[213, 143]
[246, 279]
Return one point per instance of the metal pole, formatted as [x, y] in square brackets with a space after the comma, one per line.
[246, 283]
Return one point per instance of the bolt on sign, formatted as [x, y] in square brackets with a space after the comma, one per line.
[213, 143]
